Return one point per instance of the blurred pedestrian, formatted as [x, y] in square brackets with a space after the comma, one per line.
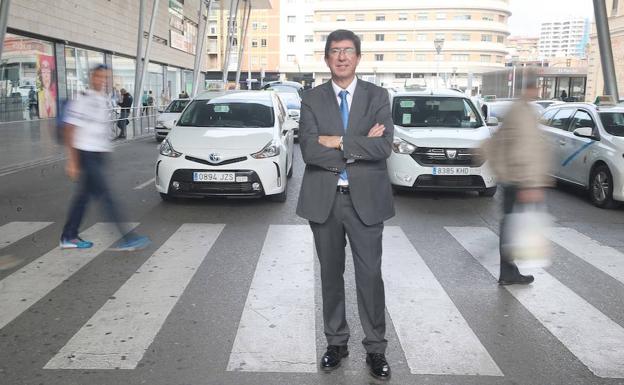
[125, 104]
[564, 95]
[519, 158]
[86, 139]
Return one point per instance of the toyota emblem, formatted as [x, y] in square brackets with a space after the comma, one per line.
[451, 154]
[214, 157]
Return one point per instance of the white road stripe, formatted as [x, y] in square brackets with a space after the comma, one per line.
[14, 231]
[117, 336]
[605, 258]
[277, 330]
[434, 335]
[590, 335]
[28, 285]
[143, 185]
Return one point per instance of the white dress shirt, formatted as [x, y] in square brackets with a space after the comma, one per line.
[350, 90]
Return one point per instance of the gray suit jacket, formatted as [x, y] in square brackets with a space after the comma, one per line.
[371, 192]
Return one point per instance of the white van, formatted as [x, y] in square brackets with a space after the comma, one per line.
[437, 140]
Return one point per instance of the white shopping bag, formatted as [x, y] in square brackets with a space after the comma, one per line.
[526, 236]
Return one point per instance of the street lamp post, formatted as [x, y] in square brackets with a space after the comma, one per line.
[438, 43]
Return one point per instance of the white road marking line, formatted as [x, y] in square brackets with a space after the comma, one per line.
[596, 340]
[117, 336]
[277, 331]
[143, 185]
[604, 258]
[14, 231]
[434, 335]
[28, 285]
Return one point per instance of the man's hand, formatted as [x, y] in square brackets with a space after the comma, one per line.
[72, 169]
[530, 195]
[329, 141]
[376, 131]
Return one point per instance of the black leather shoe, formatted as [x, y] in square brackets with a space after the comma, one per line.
[333, 355]
[378, 366]
[516, 279]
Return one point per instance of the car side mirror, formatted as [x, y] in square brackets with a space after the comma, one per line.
[492, 121]
[585, 132]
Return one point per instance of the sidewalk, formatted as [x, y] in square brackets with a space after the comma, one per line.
[30, 143]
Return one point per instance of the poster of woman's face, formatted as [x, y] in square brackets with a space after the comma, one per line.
[46, 84]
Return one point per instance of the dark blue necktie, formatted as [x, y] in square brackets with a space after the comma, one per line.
[344, 112]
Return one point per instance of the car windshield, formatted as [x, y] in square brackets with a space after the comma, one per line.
[433, 111]
[613, 122]
[177, 106]
[235, 114]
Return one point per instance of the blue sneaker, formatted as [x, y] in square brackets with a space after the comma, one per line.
[131, 244]
[76, 243]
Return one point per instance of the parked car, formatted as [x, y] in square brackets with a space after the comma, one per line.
[437, 140]
[292, 101]
[587, 143]
[548, 103]
[285, 86]
[235, 145]
[166, 119]
[498, 109]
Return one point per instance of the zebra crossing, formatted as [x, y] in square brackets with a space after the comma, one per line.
[277, 330]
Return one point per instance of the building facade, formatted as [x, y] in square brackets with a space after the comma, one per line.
[398, 39]
[564, 37]
[595, 79]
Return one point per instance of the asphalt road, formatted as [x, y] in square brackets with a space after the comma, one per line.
[233, 296]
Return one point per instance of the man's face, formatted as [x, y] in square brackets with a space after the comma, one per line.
[98, 79]
[342, 59]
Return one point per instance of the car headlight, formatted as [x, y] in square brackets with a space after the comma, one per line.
[402, 147]
[167, 150]
[270, 150]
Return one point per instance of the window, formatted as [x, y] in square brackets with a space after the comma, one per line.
[308, 58]
[361, 36]
[460, 57]
[500, 39]
[379, 57]
[440, 16]
[461, 37]
[499, 59]
[379, 37]
[401, 57]
[582, 119]
[486, 58]
[359, 17]
[292, 19]
[420, 57]
[421, 37]
[486, 37]
[422, 16]
[308, 39]
[380, 18]
[263, 43]
[402, 75]
[562, 118]
[309, 18]
[501, 18]
[545, 118]
[265, 26]
[439, 36]
[263, 61]
[325, 18]
[401, 37]
[341, 18]
[291, 38]
[402, 16]
[462, 17]
[323, 38]
[254, 44]
[290, 58]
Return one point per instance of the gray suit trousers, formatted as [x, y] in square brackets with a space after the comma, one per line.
[366, 247]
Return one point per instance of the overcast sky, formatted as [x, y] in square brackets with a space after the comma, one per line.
[528, 14]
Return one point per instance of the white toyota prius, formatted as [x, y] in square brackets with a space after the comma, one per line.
[236, 145]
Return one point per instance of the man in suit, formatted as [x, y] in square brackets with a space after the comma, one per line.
[346, 134]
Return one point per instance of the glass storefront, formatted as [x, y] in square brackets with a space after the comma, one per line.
[173, 87]
[155, 82]
[187, 81]
[123, 75]
[28, 88]
[78, 63]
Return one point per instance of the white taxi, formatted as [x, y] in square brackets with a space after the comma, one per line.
[236, 145]
[437, 140]
[587, 144]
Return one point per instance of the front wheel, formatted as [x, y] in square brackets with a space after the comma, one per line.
[601, 188]
[488, 192]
